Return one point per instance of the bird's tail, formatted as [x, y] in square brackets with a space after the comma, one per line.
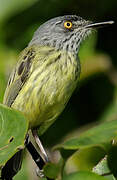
[12, 166]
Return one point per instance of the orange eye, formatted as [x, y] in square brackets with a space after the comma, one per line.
[68, 24]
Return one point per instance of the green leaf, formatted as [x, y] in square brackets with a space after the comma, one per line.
[84, 159]
[97, 136]
[102, 168]
[83, 175]
[13, 129]
[52, 170]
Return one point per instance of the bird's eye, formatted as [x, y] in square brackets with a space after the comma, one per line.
[68, 25]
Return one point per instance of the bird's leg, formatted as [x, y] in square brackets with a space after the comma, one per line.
[35, 148]
[36, 156]
[41, 148]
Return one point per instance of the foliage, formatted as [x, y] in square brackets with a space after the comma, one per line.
[13, 129]
[83, 134]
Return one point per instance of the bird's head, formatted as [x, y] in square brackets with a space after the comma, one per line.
[64, 32]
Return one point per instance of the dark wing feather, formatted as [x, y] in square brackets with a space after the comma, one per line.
[16, 81]
[19, 75]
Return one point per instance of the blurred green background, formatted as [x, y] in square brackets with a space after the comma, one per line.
[95, 99]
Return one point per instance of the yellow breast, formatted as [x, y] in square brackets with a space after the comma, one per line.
[47, 90]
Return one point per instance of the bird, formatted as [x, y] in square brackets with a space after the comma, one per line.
[46, 75]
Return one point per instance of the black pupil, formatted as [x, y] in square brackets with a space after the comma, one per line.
[68, 24]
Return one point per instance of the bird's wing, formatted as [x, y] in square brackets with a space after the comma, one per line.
[19, 75]
[16, 81]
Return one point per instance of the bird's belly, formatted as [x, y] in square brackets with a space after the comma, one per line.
[43, 100]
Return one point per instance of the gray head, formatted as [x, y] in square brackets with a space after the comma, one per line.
[64, 32]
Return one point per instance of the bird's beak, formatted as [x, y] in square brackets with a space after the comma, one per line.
[100, 24]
